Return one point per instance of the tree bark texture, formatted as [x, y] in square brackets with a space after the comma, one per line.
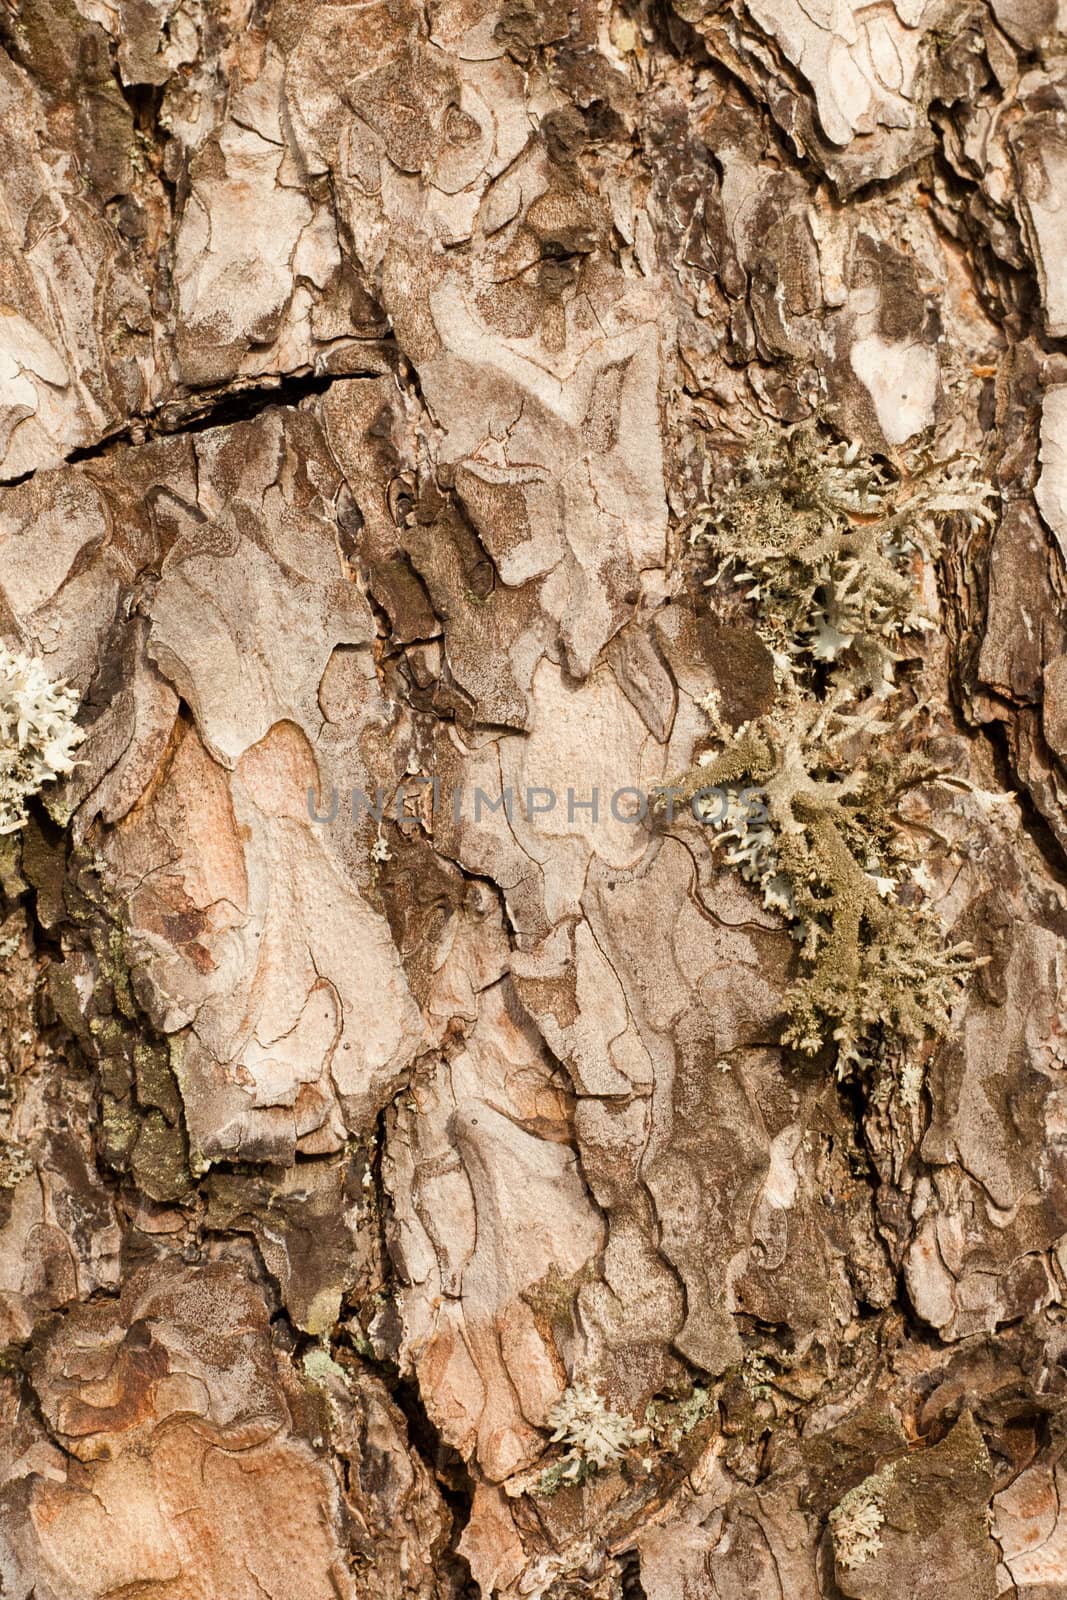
[360, 368]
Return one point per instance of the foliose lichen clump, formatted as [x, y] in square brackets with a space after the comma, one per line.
[595, 1437]
[855, 1522]
[38, 734]
[830, 545]
[669, 1422]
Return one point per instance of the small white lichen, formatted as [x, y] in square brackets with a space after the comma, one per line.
[855, 1521]
[912, 1078]
[319, 1366]
[671, 1421]
[742, 824]
[38, 734]
[595, 1437]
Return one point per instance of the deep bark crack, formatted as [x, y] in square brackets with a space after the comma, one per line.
[220, 409]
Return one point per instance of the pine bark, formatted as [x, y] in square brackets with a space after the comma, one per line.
[360, 368]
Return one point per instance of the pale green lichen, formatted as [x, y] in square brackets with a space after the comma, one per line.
[594, 1437]
[320, 1367]
[826, 540]
[856, 1520]
[829, 545]
[38, 734]
[670, 1421]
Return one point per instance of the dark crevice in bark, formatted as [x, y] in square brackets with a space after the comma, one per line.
[30, 1401]
[993, 733]
[86, 923]
[216, 410]
[454, 1482]
[683, 41]
[383, 1209]
[965, 638]
[445, 1464]
[1035, 827]
[630, 1576]
[1008, 295]
[145, 101]
[673, 33]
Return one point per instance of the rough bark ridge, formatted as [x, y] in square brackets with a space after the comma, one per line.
[359, 367]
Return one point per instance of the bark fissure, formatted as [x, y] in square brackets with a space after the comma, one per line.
[225, 409]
